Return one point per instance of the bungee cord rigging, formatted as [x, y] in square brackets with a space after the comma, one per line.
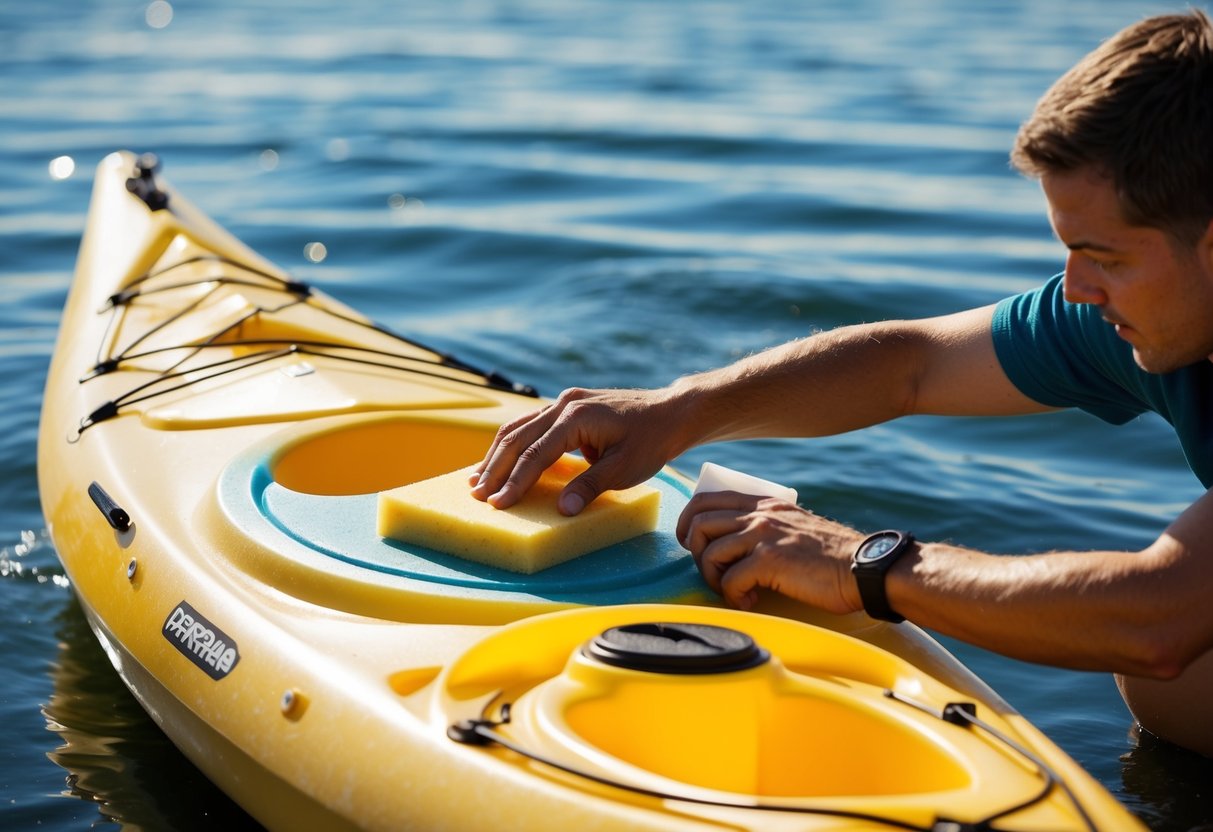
[184, 372]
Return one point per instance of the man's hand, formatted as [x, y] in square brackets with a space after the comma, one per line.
[743, 543]
[625, 435]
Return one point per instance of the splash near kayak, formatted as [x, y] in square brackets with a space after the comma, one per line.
[215, 438]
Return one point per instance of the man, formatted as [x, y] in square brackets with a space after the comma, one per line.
[1123, 148]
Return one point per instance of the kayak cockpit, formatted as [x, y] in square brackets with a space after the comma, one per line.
[304, 506]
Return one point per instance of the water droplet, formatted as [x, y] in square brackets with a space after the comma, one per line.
[315, 252]
[158, 14]
[62, 167]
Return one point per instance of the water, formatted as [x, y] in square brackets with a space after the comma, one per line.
[607, 192]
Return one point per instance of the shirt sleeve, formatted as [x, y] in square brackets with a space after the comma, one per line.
[1064, 355]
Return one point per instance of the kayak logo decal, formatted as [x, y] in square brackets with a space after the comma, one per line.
[200, 641]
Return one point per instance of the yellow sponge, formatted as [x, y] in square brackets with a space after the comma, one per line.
[440, 513]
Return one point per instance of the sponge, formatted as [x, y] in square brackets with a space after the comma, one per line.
[440, 513]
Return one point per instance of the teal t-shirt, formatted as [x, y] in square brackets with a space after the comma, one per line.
[1064, 355]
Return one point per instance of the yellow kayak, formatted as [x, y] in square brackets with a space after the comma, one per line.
[214, 437]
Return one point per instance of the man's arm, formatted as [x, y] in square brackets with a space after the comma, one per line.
[855, 377]
[829, 383]
[1143, 613]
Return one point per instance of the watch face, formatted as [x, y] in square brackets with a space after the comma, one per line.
[878, 547]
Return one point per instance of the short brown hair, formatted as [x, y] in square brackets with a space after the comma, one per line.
[1139, 110]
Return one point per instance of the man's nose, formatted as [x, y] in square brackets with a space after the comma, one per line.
[1082, 281]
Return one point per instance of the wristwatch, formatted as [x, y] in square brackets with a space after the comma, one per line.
[871, 562]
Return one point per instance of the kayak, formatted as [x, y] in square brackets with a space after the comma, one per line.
[214, 437]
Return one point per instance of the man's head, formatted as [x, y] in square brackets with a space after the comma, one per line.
[1137, 111]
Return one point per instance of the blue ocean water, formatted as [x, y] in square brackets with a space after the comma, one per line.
[601, 192]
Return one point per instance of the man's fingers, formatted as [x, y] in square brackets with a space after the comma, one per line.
[582, 491]
[529, 467]
[720, 557]
[510, 457]
[604, 474]
[740, 583]
[710, 526]
[711, 501]
[601, 424]
[505, 430]
[522, 449]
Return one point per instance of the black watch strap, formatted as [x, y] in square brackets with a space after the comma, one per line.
[870, 565]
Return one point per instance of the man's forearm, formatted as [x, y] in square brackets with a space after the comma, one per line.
[830, 383]
[1124, 612]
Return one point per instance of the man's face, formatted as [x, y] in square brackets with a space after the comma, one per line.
[1156, 292]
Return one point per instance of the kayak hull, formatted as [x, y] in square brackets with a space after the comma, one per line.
[323, 677]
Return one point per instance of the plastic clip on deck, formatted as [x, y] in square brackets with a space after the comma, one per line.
[467, 731]
[963, 714]
[115, 514]
[143, 183]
